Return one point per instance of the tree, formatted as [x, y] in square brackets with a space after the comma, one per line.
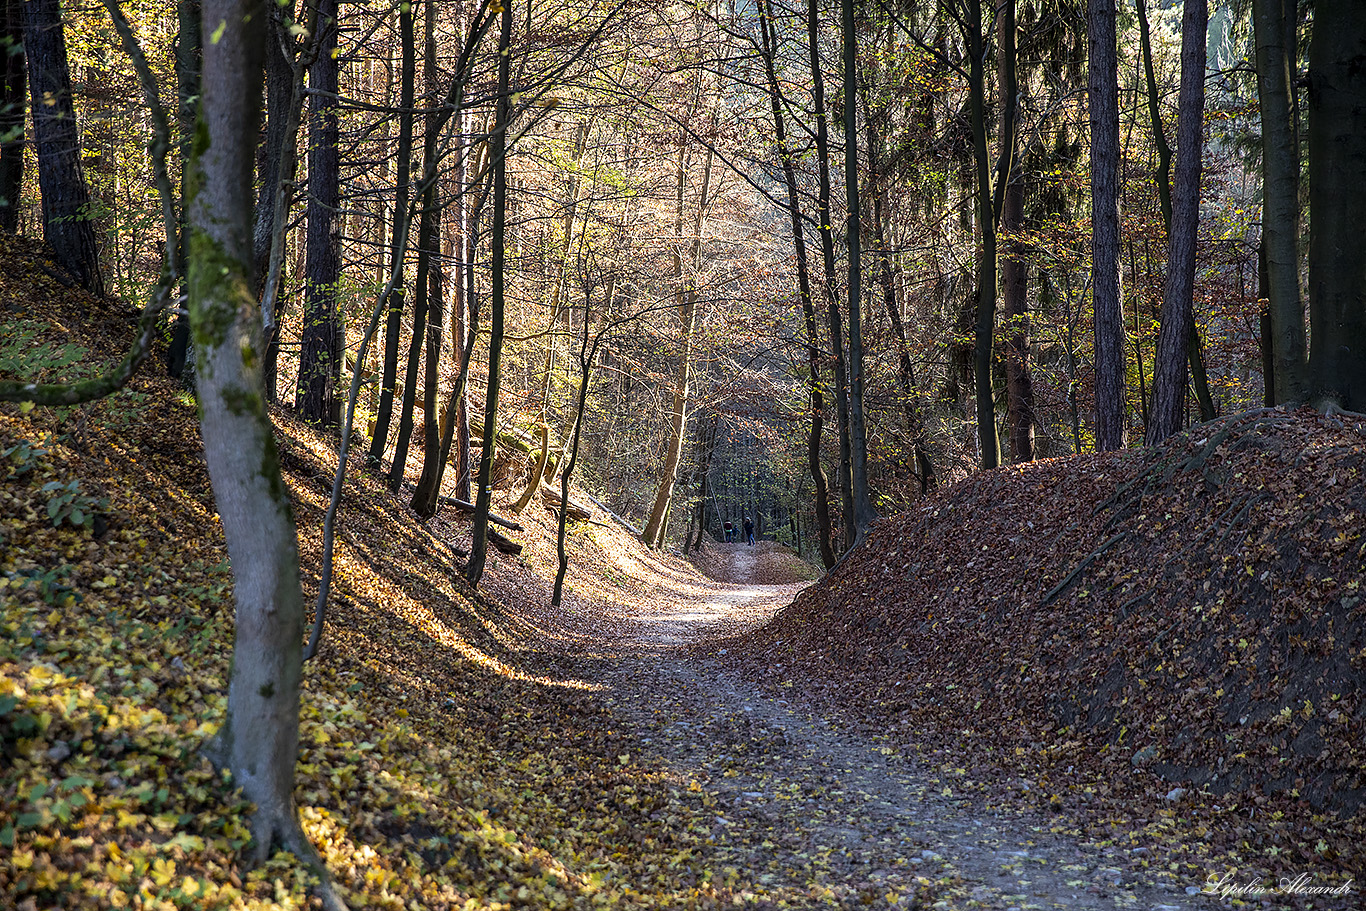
[393, 322]
[817, 399]
[322, 344]
[864, 514]
[67, 225]
[1194, 348]
[260, 737]
[1337, 195]
[1169, 378]
[498, 143]
[1103, 61]
[1275, 23]
[13, 95]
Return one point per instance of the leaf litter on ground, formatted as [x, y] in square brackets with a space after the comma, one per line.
[478, 750]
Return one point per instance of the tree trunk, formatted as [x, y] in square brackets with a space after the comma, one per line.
[13, 110]
[67, 225]
[1194, 348]
[259, 742]
[836, 320]
[393, 323]
[279, 96]
[864, 513]
[320, 350]
[653, 534]
[497, 145]
[1103, 87]
[427, 307]
[1015, 303]
[1275, 23]
[1169, 370]
[813, 446]
[706, 446]
[1337, 197]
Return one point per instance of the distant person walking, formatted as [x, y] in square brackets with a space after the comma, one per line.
[749, 530]
[729, 529]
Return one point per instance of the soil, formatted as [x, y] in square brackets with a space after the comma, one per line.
[824, 795]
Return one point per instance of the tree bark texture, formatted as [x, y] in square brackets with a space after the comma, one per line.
[1195, 356]
[1103, 89]
[497, 145]
[864, 513]
[260, 737]
[321, 346]
[393, 322]
[67, 225]
[1275, 25]
[685, 275]
[817, 398]
[13, 111]
[827, 236]
[1337, 197]
[1015, 305]
[1169, 368]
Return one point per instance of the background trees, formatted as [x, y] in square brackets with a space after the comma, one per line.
[871, 218]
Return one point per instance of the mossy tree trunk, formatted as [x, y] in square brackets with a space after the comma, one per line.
[259, 741]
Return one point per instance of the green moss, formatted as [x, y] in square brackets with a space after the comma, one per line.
[267, 690]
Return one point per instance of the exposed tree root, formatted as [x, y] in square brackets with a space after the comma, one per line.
[1086, 561]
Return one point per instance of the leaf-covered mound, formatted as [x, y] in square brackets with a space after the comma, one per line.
[1192, 612]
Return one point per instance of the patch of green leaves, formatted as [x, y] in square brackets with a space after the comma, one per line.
[68, 503]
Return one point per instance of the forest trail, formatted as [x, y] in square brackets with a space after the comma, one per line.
[839, 810]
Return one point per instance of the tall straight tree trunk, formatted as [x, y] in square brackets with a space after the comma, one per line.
[864, 513]
[393, 323]
[320, 351]
[279, 95]
[67, 225]
[813, 445]
[259, 742]
[1194, 348]
[924, 468]
[1275, 23]
[187, 52]
[426, 306]
[1015, 304]
[1337, 197]
[990, 200]
[706, 446]
[436, 287]
[13, 110]
[1103, 88]
[827, 235]
[657, 525]
[1169, 370]
[497, 144]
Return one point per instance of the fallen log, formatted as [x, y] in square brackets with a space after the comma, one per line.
[466, 506]
[504, 544]
[575, 510]
[620, 521]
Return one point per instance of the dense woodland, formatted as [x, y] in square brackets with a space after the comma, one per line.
[697, 261]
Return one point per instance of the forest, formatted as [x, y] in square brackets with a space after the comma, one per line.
[335, 328]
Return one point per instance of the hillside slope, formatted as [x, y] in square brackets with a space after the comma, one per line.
[1192, 612]
[448, 757]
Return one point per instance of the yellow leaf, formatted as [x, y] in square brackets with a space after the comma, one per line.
[163, 871]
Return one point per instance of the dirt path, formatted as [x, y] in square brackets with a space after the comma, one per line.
[845, 818]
